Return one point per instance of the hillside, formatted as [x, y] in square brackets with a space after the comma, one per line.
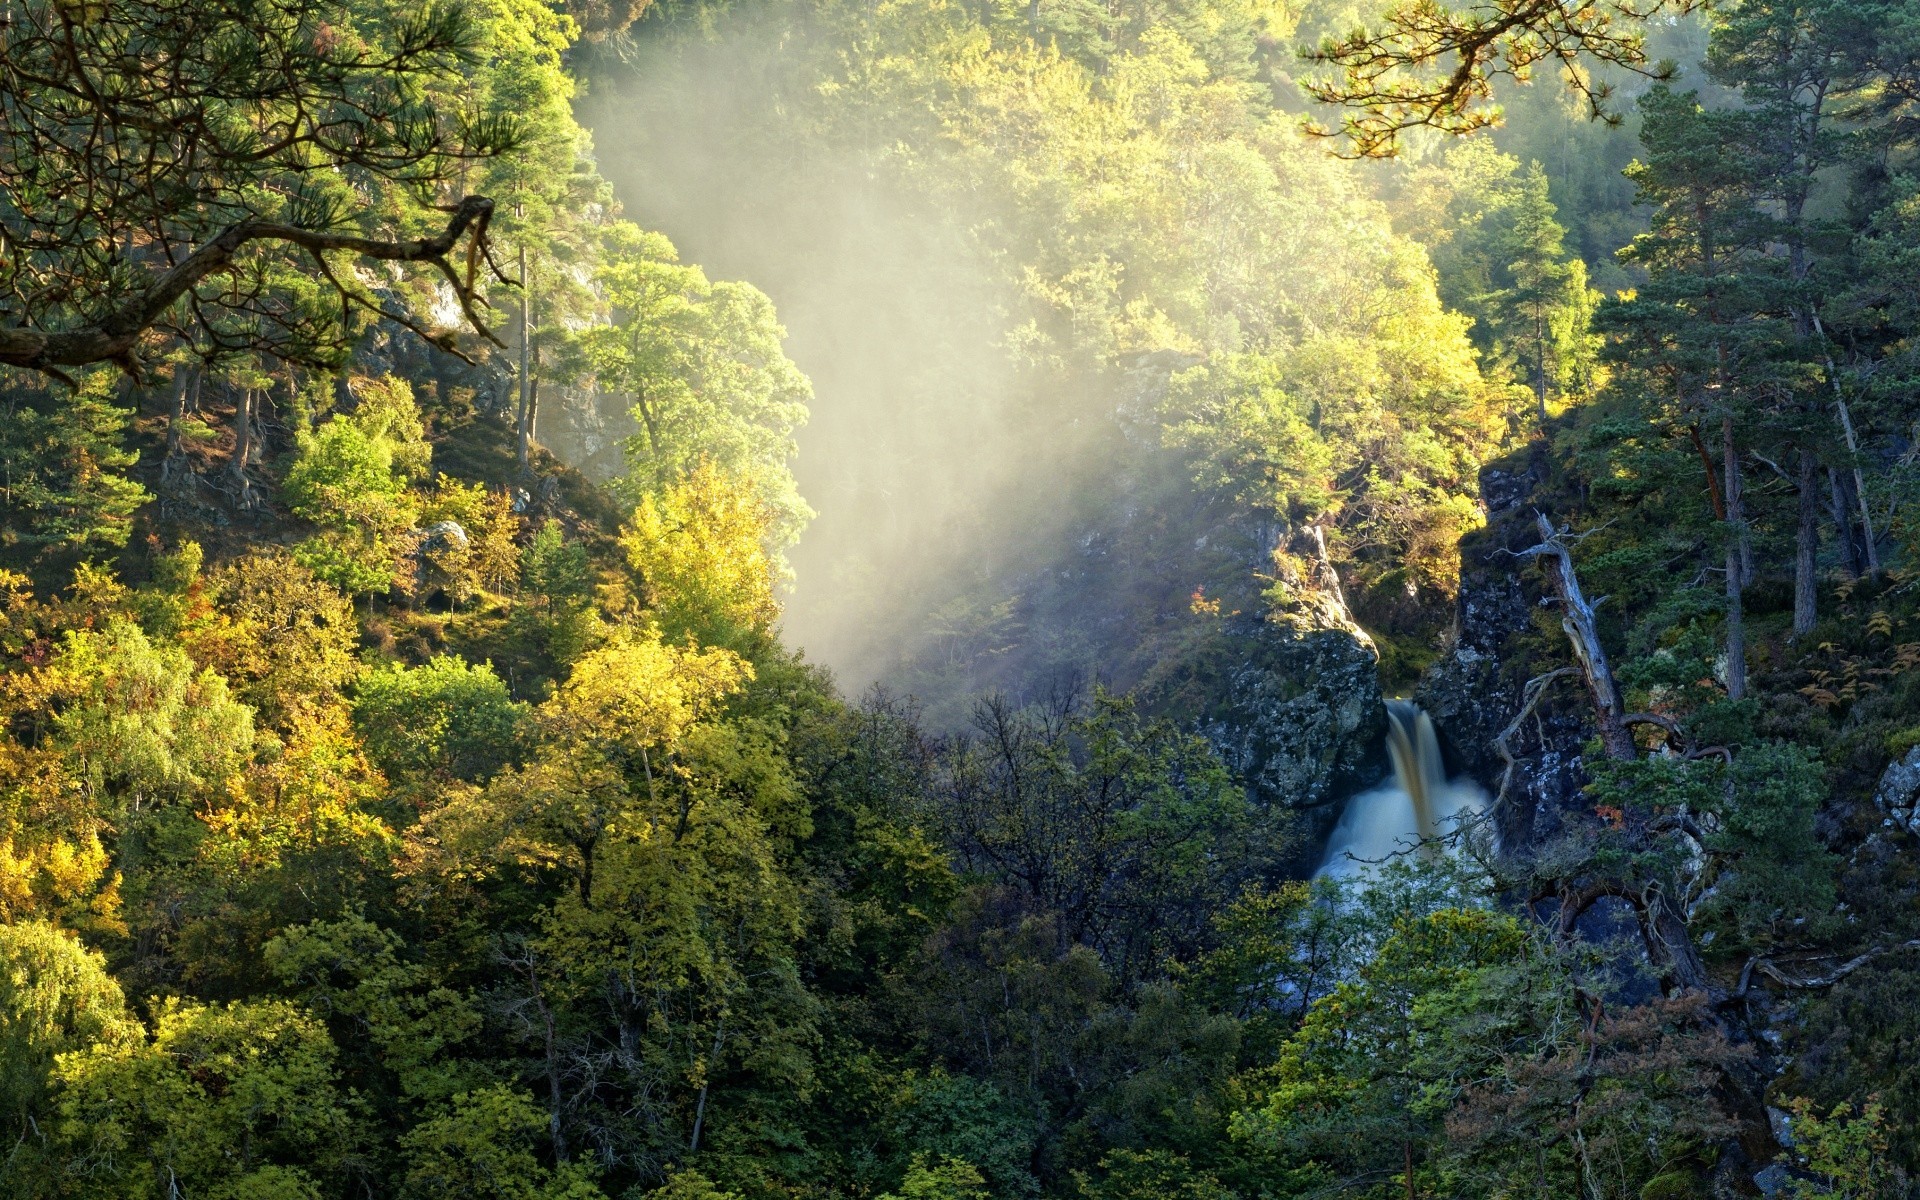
[778, 601]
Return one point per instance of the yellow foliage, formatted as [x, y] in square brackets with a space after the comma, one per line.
[638, 693]
[71, 881]
[700, 551]
[314, 794]
[490, 559]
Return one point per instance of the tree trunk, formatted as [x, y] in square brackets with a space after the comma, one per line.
[1540, 369]
[700, 1109]
[1576, 617]
[1807, 547]
[242, 449]
[1859, 487]
[524, 431]
[1838, 508]
[533, 410]
[1736, 568]
[186, 388]
[1670, 945]
[1713, 476]
[1853, 448]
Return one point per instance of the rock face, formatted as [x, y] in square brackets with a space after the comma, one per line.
[1899, 792]
[1302, 722]
[1479, 685]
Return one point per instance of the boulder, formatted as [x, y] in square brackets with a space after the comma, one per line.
[1898, 794]
[1302, 722]
[442, 536]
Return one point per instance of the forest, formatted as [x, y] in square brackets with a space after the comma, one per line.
[801, 600]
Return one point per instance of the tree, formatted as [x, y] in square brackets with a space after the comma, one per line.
[226, 1100]
[403, 1011]
[1547, 296]
[484, 555]
[1126, 831]
[1383, 74]
[701, 552]
[165, 160]
[1845, 1151]
[710, 380]
[283, 638]
[446, 719]
[63, 463]
[350, 476]
[1785, 59]
[138, 723]
[1372, 1068]
[555, 609]
[1500, 254]
[483, 1148]
[947, 1179]
[1703, 332]
[56, 998]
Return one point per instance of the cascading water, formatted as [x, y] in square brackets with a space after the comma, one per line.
[1418, 805]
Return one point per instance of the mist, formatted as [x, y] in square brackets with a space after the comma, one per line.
[924, 474]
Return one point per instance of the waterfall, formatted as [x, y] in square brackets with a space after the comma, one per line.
[1418, 804]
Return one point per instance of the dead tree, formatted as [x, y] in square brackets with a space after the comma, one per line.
[1577, 619]
[1663, 926]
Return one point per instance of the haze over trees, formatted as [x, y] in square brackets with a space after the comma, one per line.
[388, 809]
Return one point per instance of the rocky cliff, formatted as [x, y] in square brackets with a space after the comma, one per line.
[1483, 692]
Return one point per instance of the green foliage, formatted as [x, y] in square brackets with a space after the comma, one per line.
[709, 379]
[1372, 1062]
[354, 970]
[1768, 874]
[368, 138]
[229, 1101]
[948, 1179]
[446, 718]
[64, 460]
[350, 477]
[140, 721]
[487, 556]
[646, 909]
[56, 997]
[1499, 252]
[690, 1185]
[1845, 1152]
[1134, 1175]
[557, 612]
[483, 1147]
[1127, 830]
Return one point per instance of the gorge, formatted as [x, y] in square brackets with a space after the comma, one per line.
[937, 600]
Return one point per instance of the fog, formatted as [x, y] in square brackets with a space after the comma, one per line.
[924, 472]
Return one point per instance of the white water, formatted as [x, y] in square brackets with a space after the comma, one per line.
[1402, 816]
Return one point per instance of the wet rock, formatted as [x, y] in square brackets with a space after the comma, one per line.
[1898, 794]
